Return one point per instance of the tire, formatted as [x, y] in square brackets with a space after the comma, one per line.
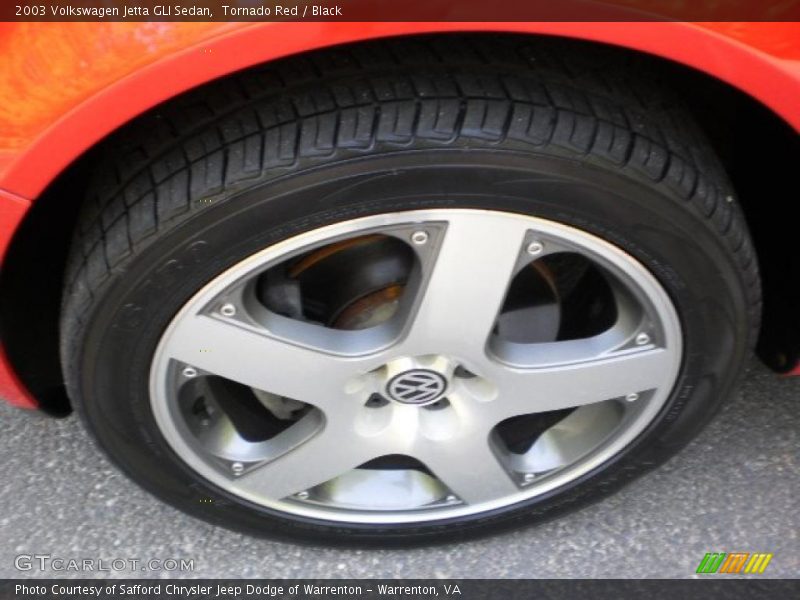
[585, 140]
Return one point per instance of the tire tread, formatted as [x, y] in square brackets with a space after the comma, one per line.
[596, 106]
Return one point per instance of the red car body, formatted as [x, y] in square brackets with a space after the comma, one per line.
[66, 86]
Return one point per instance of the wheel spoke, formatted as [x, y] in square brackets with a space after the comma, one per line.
[530, 390]
[334, 450]
[258, 360]
[467, 285]
[470, 466]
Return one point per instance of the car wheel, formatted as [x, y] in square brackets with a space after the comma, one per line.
[393, 294]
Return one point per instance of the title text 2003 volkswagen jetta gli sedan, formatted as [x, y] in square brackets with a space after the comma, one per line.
[398, 288]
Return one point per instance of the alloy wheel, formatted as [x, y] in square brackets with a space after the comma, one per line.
[415, 366]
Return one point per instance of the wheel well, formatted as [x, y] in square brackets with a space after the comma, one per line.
[756, 146]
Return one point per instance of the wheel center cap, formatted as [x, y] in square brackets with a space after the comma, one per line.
[417, 386]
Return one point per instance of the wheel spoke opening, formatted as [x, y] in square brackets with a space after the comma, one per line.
[388, 483]
[234, 423]
[543, 444]
[561, 296]
[351, 284]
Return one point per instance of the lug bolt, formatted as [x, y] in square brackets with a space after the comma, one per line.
[302, 495]
[189, 372]
[528, 477]
[534, 248]
[228, 310]
[376, 401]
[438, 405]
[237, 468]
[419, 237]
[632, 397]
[642, 339]
[463, 373]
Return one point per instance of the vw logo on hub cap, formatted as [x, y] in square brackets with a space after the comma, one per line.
[417, 386]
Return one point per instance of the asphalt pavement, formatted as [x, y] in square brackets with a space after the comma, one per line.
[735, 488]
